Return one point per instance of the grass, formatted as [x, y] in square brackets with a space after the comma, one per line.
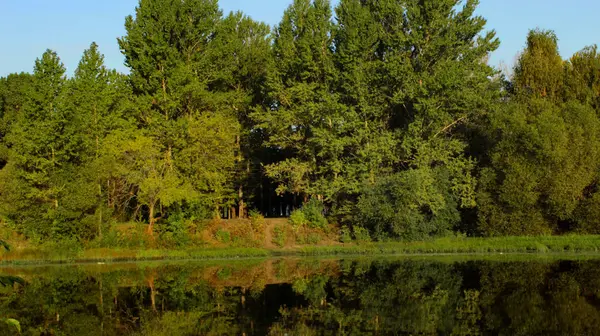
[539, 245]
[571, 244]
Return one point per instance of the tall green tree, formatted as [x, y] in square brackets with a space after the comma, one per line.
[166, 49]
[303, 117]
[41, 148]
[540, 70]
[583, 77]
[417, 75]
[173, 49]
[546, 149]
[13, 94]
[99, 100]
[241, 51]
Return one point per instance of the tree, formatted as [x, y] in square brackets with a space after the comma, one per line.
[172, 48]
[582, 80]
[241, 51]
[416, 75]
[13, 94]
[137, 160]
[303, 117]
[41, 147]
[544, 157]
[99, 100]
[540, 69]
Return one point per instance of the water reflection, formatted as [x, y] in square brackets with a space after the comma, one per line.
[308, 297]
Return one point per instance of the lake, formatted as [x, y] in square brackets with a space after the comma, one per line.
[504, 295]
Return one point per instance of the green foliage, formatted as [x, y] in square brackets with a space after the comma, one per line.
[298, 218]
[588, 215]
[385, 115]
[14, 324]
[311, 215]
[345, 235]
[279, 236]
[223, 236]
[313, 212]
[361, 234]
[413, 205]
[257, 220]
[545, 152]
[539, 71]
[175, 230]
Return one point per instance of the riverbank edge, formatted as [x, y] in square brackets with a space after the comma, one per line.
[523, 245]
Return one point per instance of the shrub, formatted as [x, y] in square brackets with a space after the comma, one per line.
[279, 236]
[247, 234]
[361, 234]
[125, 236]
[223, 236]
[298, 219]
[313, 238]
[345, 235]
[412, 205]
[257, 220]
[313, 212]
[174, 232]
[311, 215]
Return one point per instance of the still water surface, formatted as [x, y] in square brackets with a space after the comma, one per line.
[308, 297]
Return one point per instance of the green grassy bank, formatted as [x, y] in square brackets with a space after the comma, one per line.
[533, 245]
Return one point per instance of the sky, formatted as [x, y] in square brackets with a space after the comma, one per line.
[29, 27]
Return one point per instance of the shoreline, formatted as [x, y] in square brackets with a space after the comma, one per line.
[556, 245]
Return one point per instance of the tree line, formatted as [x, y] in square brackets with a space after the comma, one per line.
[385, 112]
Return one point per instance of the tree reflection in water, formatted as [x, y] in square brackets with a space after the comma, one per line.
[308, 297]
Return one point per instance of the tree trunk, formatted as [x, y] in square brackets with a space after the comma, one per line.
[241, 205]
[100, 209]
[217, 212]
[151, 218]
[100, 223]
[108, 193]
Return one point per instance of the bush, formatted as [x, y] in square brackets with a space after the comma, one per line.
[174, 232]
[313, 212]
[345, 235]
[279, 236]
[258, 221]
[298, 219]
[247, 234]
[412, 205]
[125, 236]
[313, 238]
[361, 234]
[223, 236]
[311, 215]
[308, 236]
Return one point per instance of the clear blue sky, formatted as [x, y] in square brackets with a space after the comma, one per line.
[28, 27]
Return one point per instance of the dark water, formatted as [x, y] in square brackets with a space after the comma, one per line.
[308, 297]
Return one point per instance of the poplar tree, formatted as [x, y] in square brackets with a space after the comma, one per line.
[98, 99]
[13, 94]
[166, 49]
[241, 51]
[40, 148]
[417, 76]
[582, 80]
[304, 115]
[540, 70]
[170, 48]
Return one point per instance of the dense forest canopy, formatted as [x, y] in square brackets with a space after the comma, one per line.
[384, 115]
